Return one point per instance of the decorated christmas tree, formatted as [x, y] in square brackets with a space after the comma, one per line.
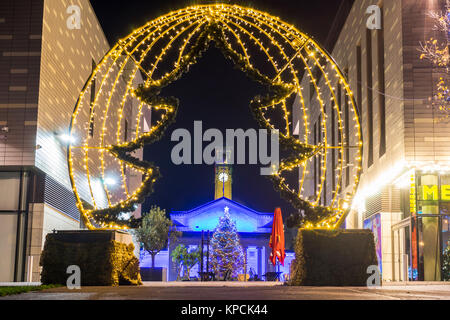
[227, 257]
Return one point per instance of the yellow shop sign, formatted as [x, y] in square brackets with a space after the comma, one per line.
[432, 193]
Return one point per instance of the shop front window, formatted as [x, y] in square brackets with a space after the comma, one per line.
[445, 244]
[445, 214]
[430, 226]
[9, 191]
[8, 232]
[13, 224]
[429, 248]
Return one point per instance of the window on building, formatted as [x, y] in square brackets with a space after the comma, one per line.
[125, 134]
[13, 223]
[324, 191]
[317, 73]
[315, 160]
[125, 138]
[93, 91]
[347, 136]
[381, 88]
[359, 78]
[9, 191]
[359, 83]
[369, 82]
[339, 98]
[319, 157]
[333, 143]
[312, 90]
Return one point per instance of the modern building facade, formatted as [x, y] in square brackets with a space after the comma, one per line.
[44, 64]
[403, 195]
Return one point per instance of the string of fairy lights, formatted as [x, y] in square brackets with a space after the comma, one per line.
[128, 81]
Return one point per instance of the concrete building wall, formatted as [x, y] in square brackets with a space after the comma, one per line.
[426, 138]
[354, 35]
[44, 219]
[413, 134]
[66, 60]
[44, 66]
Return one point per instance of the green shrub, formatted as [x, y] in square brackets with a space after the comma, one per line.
[333, 257]
[102, 263]
[446, 263]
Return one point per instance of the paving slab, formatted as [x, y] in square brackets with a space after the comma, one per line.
[239, 291]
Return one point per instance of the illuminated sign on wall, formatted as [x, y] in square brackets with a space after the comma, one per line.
[412, 194]
[431, 193]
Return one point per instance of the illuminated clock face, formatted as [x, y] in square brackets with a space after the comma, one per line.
[223, 177]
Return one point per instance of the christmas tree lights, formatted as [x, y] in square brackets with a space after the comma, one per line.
[227, 256]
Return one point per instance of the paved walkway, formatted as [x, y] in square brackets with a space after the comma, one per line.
[241, 291]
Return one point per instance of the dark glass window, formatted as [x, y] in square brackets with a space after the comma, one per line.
[333, 143]
[369, 82]
[339, 98]
[93, 91]
[381, 89]
[319, 157]
[13, 224]
[347, 137]
[359, 78]
[315, 160]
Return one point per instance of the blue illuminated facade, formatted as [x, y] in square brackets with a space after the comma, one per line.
[206, 217]
[254, 230]
[253, 227]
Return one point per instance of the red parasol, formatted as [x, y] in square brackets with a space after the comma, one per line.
[277, 239]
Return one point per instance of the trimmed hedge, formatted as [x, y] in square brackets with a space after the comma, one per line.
[333, 257]
[102, 263]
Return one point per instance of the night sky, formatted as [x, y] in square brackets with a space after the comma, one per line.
[215, 93]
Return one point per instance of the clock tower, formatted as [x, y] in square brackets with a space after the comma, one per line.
[223, 181]
[223, 175]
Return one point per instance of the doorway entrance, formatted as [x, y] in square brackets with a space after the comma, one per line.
[418, 246]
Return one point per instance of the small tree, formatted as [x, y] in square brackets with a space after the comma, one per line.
[155, 231]
[190, 260]
[227, 256]
[177, 257]
[437, 51]
[181, 256]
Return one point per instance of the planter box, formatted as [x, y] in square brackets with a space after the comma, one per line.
[154, 274]
[333, 257]
[105, 258]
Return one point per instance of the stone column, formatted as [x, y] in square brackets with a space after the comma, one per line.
[259, 262]
[270, 267]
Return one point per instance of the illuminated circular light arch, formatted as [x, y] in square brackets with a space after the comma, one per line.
[154, 55]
